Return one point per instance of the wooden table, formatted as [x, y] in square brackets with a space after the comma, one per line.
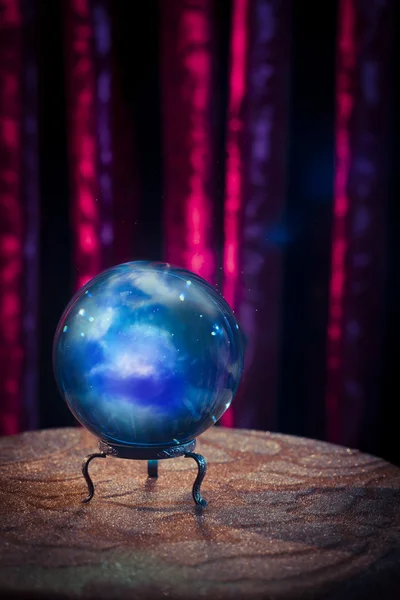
[287, 518]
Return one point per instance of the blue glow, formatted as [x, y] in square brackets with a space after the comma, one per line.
[142, 369]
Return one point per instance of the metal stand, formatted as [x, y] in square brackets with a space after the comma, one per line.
[152, 455]
[85, 473]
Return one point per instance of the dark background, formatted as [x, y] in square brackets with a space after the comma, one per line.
[310, 172]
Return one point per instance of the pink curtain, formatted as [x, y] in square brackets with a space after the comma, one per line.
[81, 84]
[11, 219]
[358, 276]
[234, 234]
[188, 137]
[255, 198]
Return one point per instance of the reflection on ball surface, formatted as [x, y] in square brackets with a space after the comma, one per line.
[147, 355]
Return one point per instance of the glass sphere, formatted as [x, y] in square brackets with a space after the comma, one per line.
[147, 355]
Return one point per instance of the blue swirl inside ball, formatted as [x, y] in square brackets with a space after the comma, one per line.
[147, 355]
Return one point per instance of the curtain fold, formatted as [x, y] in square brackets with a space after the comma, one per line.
[12, 226]
[358, 275]
[102, 59]
[83, 143]
[255, 199]
[188, 136]
[31, 206]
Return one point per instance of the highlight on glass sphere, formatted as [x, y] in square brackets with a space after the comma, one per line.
[147, 355]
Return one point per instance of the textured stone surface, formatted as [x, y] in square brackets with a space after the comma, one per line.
[287, 518]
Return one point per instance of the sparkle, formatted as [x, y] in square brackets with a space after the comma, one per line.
[133, 369]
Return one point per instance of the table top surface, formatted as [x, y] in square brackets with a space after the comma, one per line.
[287, 518]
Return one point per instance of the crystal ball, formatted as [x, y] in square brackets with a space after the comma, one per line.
[146, 354]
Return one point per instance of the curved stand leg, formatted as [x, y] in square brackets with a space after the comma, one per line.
[152, 468]
[202, 469]
[85, 473]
